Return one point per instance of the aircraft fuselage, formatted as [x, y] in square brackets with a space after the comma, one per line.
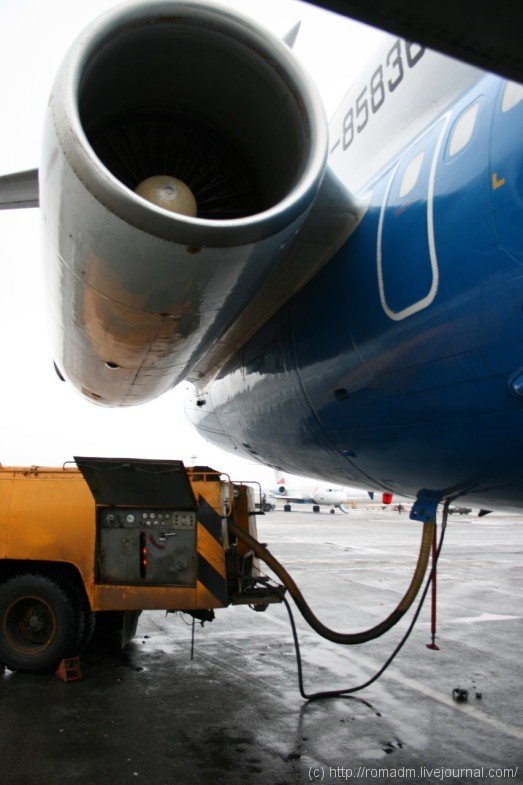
[399, 366]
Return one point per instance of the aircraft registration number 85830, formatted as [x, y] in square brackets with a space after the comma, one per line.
[385, 79]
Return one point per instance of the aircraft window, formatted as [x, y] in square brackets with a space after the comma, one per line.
[411, 174]
[463, 129]
[512, 95]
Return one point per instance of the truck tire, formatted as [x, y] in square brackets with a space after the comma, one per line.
[81, 605]
[40, 623]
[89, 626]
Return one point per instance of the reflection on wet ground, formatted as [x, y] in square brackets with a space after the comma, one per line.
[234, 714]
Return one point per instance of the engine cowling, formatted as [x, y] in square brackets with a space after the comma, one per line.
[186, 92]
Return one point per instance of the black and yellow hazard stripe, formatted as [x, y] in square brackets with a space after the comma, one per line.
[211, 557]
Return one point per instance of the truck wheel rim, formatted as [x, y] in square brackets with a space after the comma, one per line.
[29, 625]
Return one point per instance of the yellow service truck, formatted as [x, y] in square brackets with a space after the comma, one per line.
[107, 538]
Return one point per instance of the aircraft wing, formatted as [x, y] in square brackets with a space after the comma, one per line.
[480, 32]
[19, 190]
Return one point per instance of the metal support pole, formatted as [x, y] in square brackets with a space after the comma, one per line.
[192, 638]
[433, 645]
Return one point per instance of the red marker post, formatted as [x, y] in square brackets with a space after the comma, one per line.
[433, 645]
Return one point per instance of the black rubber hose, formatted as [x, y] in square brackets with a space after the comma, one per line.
[347, 692]
[350, 638]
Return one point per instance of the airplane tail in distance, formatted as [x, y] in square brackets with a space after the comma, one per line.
[280, 480]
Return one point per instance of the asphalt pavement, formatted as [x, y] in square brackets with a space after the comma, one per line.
[233, 713]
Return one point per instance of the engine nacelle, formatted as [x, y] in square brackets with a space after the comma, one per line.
[183, 90]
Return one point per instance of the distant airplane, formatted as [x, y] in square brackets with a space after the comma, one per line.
[346, 300]
[335, 498]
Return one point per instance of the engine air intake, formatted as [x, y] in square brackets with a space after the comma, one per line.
[196, 98]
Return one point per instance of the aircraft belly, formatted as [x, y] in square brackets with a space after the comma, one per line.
[400, 363]
[424, 395]
[436, 423]
[259, 403]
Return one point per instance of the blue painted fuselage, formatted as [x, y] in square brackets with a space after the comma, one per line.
[400, 365]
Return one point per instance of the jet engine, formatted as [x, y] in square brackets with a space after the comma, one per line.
[183, 149]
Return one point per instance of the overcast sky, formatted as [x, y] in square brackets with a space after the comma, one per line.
[44, 421]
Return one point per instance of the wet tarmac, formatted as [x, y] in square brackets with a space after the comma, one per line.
[234, 714]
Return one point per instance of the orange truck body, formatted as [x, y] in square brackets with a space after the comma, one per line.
[97, 543]
[48, 516]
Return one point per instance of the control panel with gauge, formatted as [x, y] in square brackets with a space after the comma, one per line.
[147, 546]
[116, 518]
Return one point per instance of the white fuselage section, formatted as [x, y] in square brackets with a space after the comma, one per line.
[371, 126]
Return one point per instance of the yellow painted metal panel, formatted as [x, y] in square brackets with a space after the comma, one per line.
[244, 506]
[52, 517]
[49, 514]
[205, 598]
[135, 598]
[211, 550]
[5, 503]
